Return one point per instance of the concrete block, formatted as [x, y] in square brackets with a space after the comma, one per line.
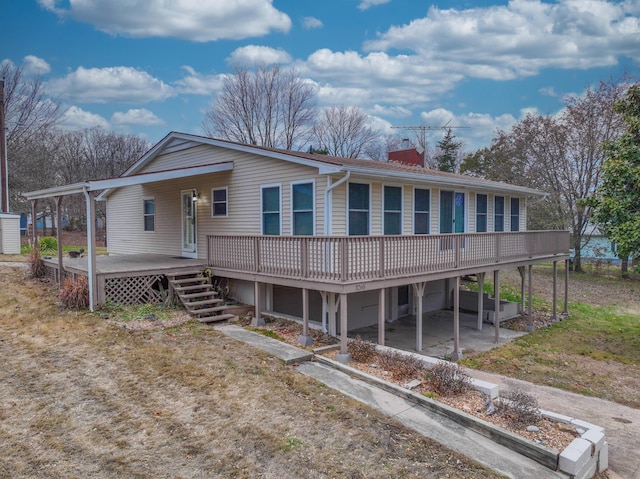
[588, 471]
[596, 438]
[490, 389]
[586, 425]
[554, 416]
[603, 457]
[575, 456]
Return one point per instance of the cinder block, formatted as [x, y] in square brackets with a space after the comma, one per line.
[490, 389]
[554, 416]
[603, 457]
[575, 456]
[588, 471]
[586, 425]
[596, 438]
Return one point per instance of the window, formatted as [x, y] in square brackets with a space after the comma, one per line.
[358, 209]
[302, 208]
[270, 210]
[481, 213]
[515, 214]
[219, 202]
[392, 210]
[421, 208]
[149, 214]
[498, 214]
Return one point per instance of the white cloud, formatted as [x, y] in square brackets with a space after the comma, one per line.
[195, 20]
[195, 83]
[140, 116]
[309, 23]
[364, 4]
[256, 54]
[548, 91]
[111, 84]
[35, 66]
[390, 111]
[75, 118]
[520, 38]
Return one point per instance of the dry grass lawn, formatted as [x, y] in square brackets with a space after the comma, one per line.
[83, 398]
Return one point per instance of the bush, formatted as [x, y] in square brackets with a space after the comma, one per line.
[519, 408]
[361, 350]
[448, 379]
[36, 265]
[401, 366]
[48, 243]
[74, 293]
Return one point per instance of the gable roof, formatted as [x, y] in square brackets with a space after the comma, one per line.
[176, 141]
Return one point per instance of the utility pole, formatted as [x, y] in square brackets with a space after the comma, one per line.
[4, 165]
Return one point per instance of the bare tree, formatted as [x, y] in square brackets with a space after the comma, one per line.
[343, 132]
[267, 107]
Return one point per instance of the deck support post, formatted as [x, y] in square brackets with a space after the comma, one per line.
[34, 225]
[330, 303]
[496, 305]
[456, 355]
[565, 311]
[91, 248]
[480, 277]
[381, 313]
[257, 320]
[59, 238]
[344, 356]
[418, 292]
[530, 327]
[522, 281]
[554, 315]
[305, 339]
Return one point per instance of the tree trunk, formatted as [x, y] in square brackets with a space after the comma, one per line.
[577, 261]
[624, 267]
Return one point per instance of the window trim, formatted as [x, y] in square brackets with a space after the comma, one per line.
[496, 215]
[226, 202]
[485, 214]
[262, 212]
[399, 212]
[313, 205]
[428, 211]
[347, 222]
[145, 215]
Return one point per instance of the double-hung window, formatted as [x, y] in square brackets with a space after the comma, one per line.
[149, 214]
[219, 205]
[498, 213]
[358, 209]
[392, 210]
[421, 208]
[302, 208]
[481, 213]
[270, 207]
[515, 214]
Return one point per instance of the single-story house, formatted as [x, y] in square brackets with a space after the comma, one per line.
[340, 241]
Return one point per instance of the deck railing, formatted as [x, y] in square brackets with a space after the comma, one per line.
[362, 258]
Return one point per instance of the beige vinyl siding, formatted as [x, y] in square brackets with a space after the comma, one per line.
[407, 210]
[490, 211]
[471, 212]
[435, 210]
[375, 213]
[198, 155]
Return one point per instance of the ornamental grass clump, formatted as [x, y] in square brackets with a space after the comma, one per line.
[36, 265]
[361, 350]
[448, 379]
[74, 293]
[402, 367]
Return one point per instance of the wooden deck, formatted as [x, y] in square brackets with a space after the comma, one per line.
[129, 263]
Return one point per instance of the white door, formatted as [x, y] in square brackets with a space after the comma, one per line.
[189, 241]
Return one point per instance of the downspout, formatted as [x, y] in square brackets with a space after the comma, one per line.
[91, 247]
[327, 228]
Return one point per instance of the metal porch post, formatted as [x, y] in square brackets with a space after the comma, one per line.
[565, 311]
[480, 299]
[456, 355]
[496, 305]
[555, 291]
[59, 238]
[381, 313]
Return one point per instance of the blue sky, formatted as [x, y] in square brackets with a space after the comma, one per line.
[151, 66]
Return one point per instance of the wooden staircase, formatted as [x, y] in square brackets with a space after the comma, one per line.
[198, 296]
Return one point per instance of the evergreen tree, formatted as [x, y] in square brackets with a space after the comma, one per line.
[447, 157]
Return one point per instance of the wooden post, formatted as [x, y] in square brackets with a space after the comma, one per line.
[34, 225]
[418, 290]
[565, 311]
[480, 277]
[91, 247]
[496, 305]
[381, 315]
[456, 355]
[257, 299]
[529, 327]
[554, 316]
[521, 271]
[305, 339]
[344, 356]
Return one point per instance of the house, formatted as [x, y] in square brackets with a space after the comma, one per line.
[339, 241]
[597, 247]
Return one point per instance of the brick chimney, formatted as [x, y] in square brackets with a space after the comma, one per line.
[409, 156]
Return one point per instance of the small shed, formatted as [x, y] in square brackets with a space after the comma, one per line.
[9, 233]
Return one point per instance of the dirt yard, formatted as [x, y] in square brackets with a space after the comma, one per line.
[83, 398]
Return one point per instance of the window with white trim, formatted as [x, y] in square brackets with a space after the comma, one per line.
[149, 214]
[219, 202]
[302, 218]
[359, 200]
[481, 213]
[392, 206]
[421, 210]
[270, 209]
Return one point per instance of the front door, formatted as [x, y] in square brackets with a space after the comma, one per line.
[451, 212]
[189, 241]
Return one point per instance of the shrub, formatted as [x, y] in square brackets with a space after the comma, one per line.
[36, 265]
[361, 350]
[401, 366]
[48, 243]
[448, 379]
[519, 408]
[74, 293]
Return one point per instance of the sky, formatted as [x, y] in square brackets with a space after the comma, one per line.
[148, 67]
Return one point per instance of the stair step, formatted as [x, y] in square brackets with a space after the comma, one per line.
[201, 294]
[203, 302]
[192, 287]
[188, 280]
[218, 317]
[214, 309]
[190, 272]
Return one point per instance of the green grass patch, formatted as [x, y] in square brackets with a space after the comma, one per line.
[270, 333]
[508, 292]
[136, 312]
[53, 251]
